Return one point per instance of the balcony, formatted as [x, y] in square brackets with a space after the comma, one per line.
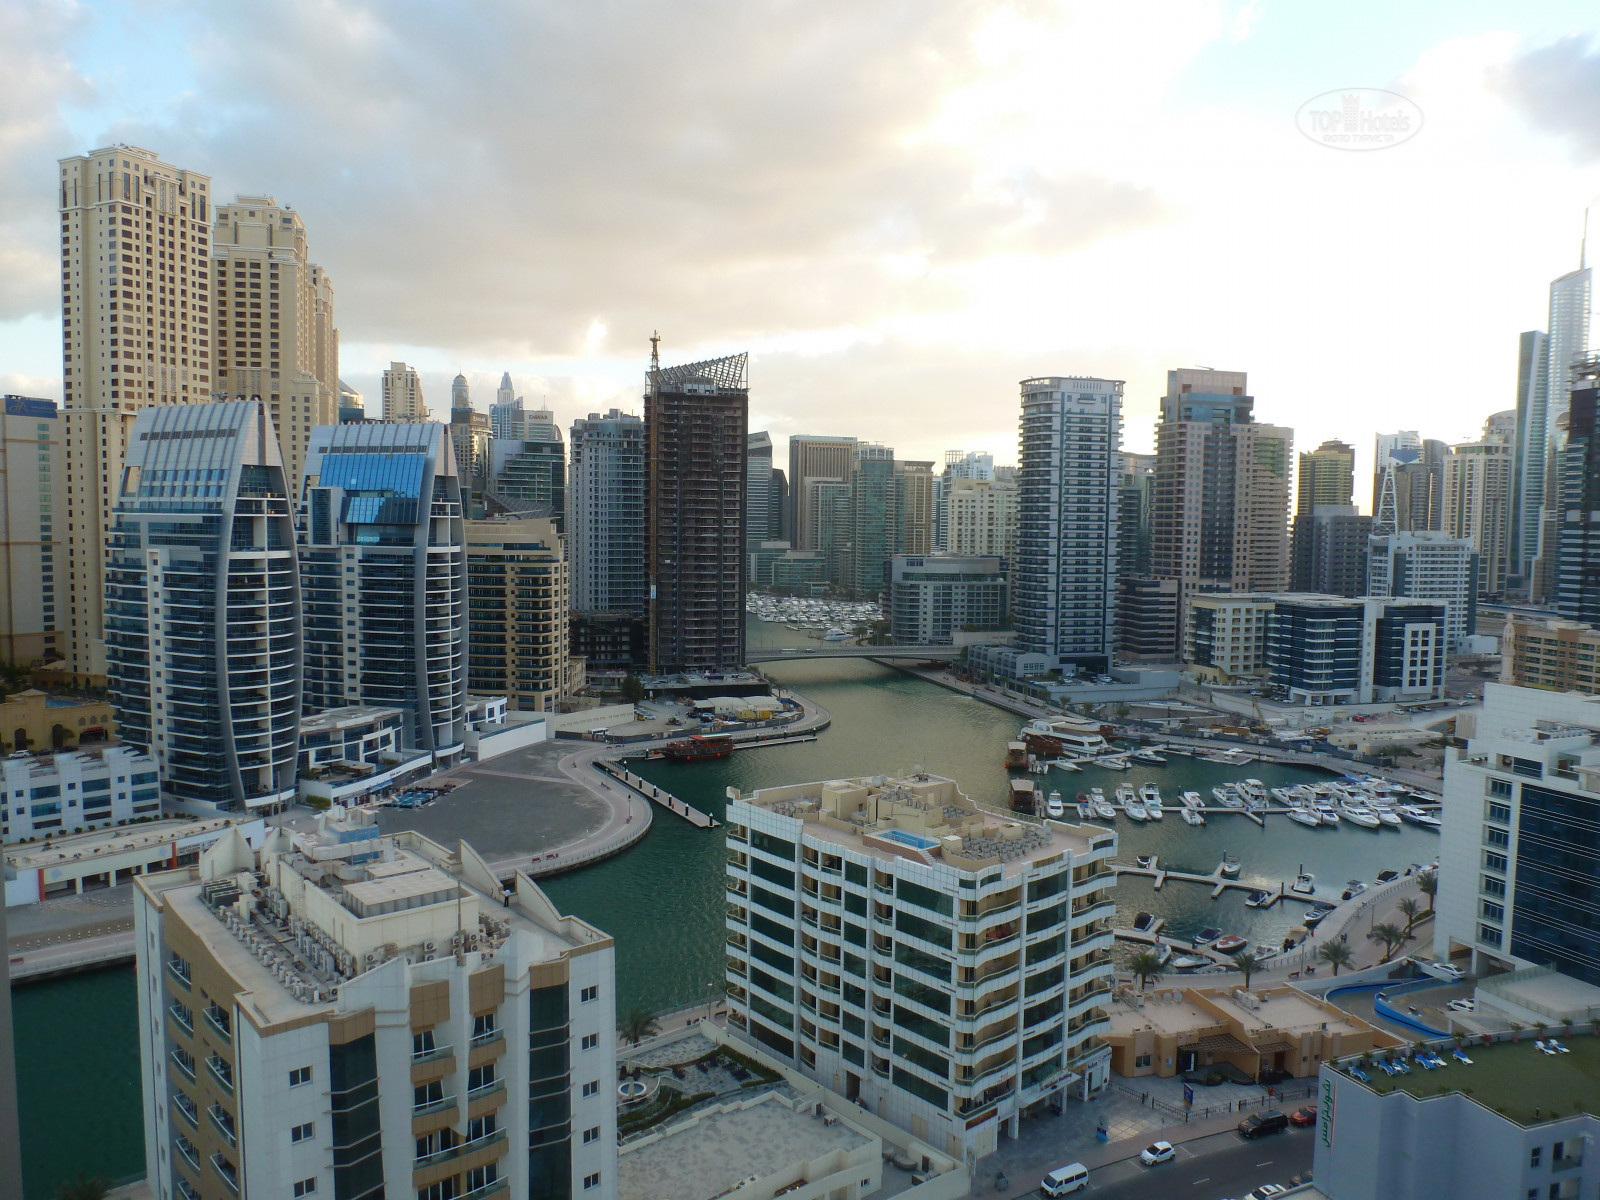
[432, 1054]
[224, 1123]
[179, 970]
[433, 1106]
[226, 1171]
[220, 1022]
[185, 1064]
[488, 1038]
[187, 1107]
[182, 1017]
[186, 1151]
[494, 1187]
[461, 1149]
[221, 1071]
[486, 1090]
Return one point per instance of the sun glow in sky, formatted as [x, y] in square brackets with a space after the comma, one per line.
[900, 209]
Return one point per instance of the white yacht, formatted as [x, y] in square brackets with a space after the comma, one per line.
[1151, 795]
[1304, 816]
[1102, 806]
[1192, 816]
[1363, 817]
[1192, 800]
[1054, 807]
[1135, 809]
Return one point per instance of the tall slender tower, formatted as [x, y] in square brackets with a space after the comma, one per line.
[697, 437]
[1327, 476]
[1069, 463]
[402, 394]
[274, 322]
[135, 330]
[813, 457]
[758, 490]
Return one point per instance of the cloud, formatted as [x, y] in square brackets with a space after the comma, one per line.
[1558, 87]
[499, 177]
[37, 78]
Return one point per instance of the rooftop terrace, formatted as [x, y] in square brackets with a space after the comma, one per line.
[79, 847]
[1515, 1079]
[927, 819]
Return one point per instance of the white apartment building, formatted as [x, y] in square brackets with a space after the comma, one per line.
[1225, 636]
[274, 321]
[343, 1014]
[1520, 848]
[402, 394]
[938, 965]
[135, 330]
[933, 597]
[33, 513]
[980, 517]
[47, 795]
[1064, 573]
[1428, 565]
[1477, 506]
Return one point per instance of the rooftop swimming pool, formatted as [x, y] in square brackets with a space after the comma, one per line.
[915, 840]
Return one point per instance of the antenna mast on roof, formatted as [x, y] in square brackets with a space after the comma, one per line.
[655, 351]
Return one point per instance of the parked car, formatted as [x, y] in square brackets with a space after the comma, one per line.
[1260, 1124]
[1301, 1117]
[1157, 1152]
[1265, 1191]
[1466, 1004]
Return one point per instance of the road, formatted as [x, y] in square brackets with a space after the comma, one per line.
[1222, 1165]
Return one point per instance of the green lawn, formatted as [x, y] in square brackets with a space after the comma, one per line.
[1512, 1078]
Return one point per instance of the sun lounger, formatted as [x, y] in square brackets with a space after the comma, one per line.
[1545, 1047]
[1360, 1074]
[1401, 1067]
[1559, 1048]
[1460, 1057]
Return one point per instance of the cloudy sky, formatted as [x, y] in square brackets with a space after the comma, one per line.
[900, 208]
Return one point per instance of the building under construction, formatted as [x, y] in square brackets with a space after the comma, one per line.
[696, 424]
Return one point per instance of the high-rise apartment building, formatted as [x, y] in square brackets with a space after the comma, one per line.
[981, 518]
[758, 490]
[274, 322]
[532, 469]
[1521, 840]
[913, 498]
[1533, 361]
[829, 508]
[402, 394]
[517, 636]
[697, 438]
[1407, 483]
[135, 330]
[1427, 565]
[1330, 551]
[384, 581]
[1566, 342]
[352, 404]
[1064, 575]
[203, 640]
[606, 520]
[1477, 506]
[813, 457]
[978, 1002]
[778, 508]
[342, 1014]
[460, 394]
[1577, 551]
[874, 517]
[1135, 487]
[33, 504]
[1220, 502]
[1327, 476]
[1552, 654]
[1147, 618]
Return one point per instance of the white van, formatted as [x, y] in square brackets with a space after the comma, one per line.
[1063, 1181]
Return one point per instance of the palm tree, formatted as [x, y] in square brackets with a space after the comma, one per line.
[638, 1024]
[1428, 885]
[1336, 953]
[84, 1187]
[1411, 910]
[1392, 937]
[1248, 964]
[1146, 964]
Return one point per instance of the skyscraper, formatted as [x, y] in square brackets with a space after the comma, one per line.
[1477, 506]
[460, 394]
[135, 285]
[517, 609]
[1064, 576]
[1532, 360]
[533, 468]
[1565, 342]
[1407, 482]
[758, 490]
[383, 568]
[874, 517]
[696, 429]
[1427, 565]
[1330, 551]
[813, 457]
[351, 404]
[606, 540]
[1577, 565]
[913, 483]
[402, 394]
[203, 644]
[1327, 476]
[1220, 500]
[981, 518]
[274, 322]
[33, 498]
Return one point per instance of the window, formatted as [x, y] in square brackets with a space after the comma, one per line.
[1500, 788]
[1488, 935]
[1496, 837]
[1491, 911]
[1142, 1060]
[1490, 886]
[299, 1075]
[588, 994]
[302, 1133]
[1494, 862]
[591, 1040]
[422, 1043]
[305, 1187]
[1534, 1156]
[591, 1181]
[1495, 811]
[485, 1027]
[481, 1127]
[592, 1087]
[591, 1135]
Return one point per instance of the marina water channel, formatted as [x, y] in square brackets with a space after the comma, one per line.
[663, 899]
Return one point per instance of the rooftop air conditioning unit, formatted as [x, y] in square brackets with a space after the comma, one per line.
[427, 945]
[427, 957]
